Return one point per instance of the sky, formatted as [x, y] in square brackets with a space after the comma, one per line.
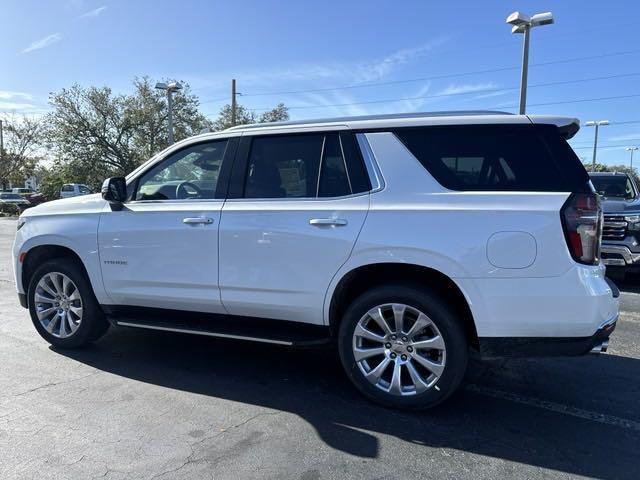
[334, 58]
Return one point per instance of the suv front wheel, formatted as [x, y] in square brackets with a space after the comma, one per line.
[62, 305]
[403, 347]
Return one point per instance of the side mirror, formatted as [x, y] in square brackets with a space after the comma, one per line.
[114, 190]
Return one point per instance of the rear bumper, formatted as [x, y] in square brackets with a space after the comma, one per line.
[546, 346]
[573, 305]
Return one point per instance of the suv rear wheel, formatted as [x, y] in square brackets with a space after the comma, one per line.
[403, 347]
[62, 305]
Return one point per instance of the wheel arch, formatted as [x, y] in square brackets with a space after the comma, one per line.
[359, 279]
[39, 254]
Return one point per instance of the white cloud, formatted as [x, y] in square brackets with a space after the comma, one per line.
[492, 94]
[467, 88]
[94, 13]
[383, 67]
[338, 103]
[348, 72]
[6, 95]
[15, 106]
[43, 42]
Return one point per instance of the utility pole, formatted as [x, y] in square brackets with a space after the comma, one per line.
[628, 149]
[1, 141]
[1, 152]
[597, 124]
[170, 88]
[233, 102]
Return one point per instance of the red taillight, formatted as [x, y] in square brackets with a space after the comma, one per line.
[582, 222]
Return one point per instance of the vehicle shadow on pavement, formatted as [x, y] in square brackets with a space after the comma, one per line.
[311, 384]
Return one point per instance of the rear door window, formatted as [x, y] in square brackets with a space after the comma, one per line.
[497, 157]
[297, 166]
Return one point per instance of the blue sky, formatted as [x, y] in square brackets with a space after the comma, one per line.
[416, 49]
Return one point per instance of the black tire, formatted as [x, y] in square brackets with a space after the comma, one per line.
[439, 313]
[93, 324]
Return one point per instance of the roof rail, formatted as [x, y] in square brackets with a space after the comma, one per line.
[388, 116]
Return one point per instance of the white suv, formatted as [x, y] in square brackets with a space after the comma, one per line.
[407, 239]
[69, 190]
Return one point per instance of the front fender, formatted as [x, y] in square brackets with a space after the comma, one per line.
[78, 233]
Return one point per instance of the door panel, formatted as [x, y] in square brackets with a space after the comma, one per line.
[277, 257]
[160, 255]
[161, 249]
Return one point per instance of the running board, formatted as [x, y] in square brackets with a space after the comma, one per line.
[278, 332]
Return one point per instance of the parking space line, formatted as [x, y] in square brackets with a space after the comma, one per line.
[555, 407]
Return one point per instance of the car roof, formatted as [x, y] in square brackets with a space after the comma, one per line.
[397, 120]
[608, 174]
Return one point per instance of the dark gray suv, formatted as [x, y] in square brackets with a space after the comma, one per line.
[621, 231]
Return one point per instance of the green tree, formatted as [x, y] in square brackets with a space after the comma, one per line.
[245, 116]
[96, 133]
[278, 114]
[22, 138]
[600, 167]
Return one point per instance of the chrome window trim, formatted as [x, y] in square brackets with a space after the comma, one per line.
[296, 199]
[176, 201]
[373, 170]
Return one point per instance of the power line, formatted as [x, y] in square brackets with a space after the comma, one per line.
[482, 91]
[604, 141]
[439, 77]
[602, 146]
[225, 99]
[465, 49]
[581, 100]
[626, 122]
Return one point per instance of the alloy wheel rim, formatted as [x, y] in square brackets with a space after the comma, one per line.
[399, 349]
[58, 304]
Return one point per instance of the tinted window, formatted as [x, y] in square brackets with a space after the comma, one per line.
[296, 166]
[84, 189]
[613, 186]
[191, 173]
[497, 157]
[67, 188]
[358, 176]
[334, 181]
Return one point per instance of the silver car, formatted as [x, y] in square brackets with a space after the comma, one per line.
[14, 198]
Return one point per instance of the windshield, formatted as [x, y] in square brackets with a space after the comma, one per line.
[10, 196]
[613, 186]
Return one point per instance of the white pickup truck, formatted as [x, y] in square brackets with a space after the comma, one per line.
[408, 240]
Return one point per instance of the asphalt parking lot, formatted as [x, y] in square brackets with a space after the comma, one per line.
[148, 405]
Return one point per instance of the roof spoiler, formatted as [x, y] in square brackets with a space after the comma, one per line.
[568, 130]
[567, 126]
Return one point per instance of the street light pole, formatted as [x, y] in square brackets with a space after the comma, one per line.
[170, 88]
[631, 150]
[525, 71]
[597, 124]
[170, 117]
[521, 23]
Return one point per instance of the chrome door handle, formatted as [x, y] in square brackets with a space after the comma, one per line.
[195, 220]
[320, 222]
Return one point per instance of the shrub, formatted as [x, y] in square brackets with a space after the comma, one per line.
[9, 210]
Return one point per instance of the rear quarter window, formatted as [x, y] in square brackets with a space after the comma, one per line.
[497, 157]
